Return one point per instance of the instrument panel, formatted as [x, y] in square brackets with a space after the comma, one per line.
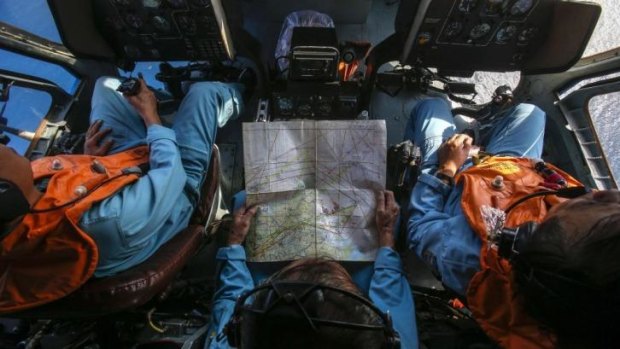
[476, 22]
[155, 30]
[473, 35]
[316, 100]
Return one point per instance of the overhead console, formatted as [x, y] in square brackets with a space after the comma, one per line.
[534, 36]
[145, 30]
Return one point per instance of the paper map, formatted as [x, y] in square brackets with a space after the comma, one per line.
[315, 184]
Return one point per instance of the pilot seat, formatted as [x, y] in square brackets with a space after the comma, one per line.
[149, 280]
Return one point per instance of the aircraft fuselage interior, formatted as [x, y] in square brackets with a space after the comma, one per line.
[374, 61]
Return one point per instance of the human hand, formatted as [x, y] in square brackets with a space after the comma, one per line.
[94, 136]
[385, 217]
[453, 153]
[241, 225]
[145, 104]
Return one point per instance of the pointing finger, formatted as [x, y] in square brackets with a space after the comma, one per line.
[380, 201]
[251, 211]
[94, 127]
[105, 148]
[97, 137]
[389, 198]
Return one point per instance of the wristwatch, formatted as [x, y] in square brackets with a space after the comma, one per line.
[445, 178]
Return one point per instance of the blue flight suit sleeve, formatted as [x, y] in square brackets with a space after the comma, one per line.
[134, 222]
[233, 279]
[439, 233]
[390, 292]
[161, 186]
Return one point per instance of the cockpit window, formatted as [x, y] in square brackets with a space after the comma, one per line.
[25, 65]
[149, 70]
[22, 114]
[604, 111]
[33, 16]
[605, 36]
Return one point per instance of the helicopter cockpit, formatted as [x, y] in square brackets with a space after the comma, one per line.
[303, 60]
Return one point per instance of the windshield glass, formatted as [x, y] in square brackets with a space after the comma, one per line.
[606, 35]
[33, 16]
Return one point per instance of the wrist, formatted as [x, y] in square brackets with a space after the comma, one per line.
[235, 238]
[386, 238]
[152, 119]
[446, 179]
[447, 170]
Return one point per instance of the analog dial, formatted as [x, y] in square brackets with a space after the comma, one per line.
[480, 31]
[506, 33]
[521, 7]
[453, 29]
[161, 24]
[133, 21]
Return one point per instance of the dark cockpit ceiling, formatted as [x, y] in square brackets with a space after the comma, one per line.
[533, 36]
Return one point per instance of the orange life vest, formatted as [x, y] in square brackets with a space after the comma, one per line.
[490, 294]
[47, 256]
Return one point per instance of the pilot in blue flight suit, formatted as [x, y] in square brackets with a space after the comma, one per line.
[131, 225]
[389, 289]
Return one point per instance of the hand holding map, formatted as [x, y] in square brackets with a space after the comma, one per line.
[315, 184]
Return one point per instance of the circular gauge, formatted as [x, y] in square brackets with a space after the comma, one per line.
[526, 35]
[506, 33]
[187, 25]
[324, 108]
[453, 29]
[480, 31]
[285, 104]
[304, 109]
[467, 5]
[151, 3]
[201, 3]
[176, 3]
[521, 7]
[161, 24]
[133, 21]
